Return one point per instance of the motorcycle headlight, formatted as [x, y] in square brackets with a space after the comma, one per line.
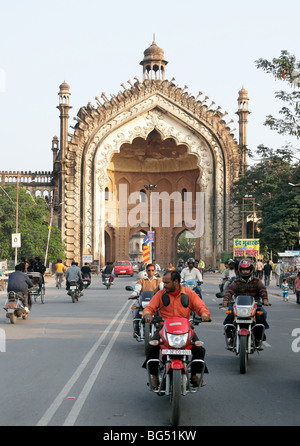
[177, 341]
[243, 310]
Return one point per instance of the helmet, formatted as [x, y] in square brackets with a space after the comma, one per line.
[191, 260]
[180, 261]
[245, 264]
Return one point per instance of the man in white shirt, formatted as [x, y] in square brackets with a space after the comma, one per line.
[191, 277]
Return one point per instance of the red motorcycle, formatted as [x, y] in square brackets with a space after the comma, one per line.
[175, 359]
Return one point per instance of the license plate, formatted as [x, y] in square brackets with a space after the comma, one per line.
[242, 321]
[122, 271]
[72, 287]
[176, 352]
[10, 310]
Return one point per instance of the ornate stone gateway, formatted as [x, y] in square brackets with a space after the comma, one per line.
[153, 133]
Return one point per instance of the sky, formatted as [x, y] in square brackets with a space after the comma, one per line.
[97, 45]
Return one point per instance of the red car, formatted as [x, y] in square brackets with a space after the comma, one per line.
[123, 267]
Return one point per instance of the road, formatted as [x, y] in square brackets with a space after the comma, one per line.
[78, 365]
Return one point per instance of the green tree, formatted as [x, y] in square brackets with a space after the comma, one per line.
[279, 202]
[186, 245]
[33, 217]
[286, 68]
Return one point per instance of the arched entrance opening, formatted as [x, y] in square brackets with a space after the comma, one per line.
[186, 245]
[175, 173]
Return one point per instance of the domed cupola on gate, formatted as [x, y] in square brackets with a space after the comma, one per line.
[152, 132]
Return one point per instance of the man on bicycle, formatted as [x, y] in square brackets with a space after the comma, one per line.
[59, 272]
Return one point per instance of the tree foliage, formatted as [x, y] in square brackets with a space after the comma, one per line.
[277, 200]
[287, 69]
[33, 218]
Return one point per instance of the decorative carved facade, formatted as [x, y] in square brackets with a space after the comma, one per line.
[151, 132]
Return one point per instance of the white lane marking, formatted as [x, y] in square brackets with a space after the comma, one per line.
[72, 417]
[72, 380]
[267, 344]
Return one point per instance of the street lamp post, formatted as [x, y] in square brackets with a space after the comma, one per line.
[151, 188]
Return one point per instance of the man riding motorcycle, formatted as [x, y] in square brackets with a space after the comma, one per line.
[191, 276]
[148, 283]
[19, 282]
[174, 289]
[247, 284]
[108, 269]
[73, 274]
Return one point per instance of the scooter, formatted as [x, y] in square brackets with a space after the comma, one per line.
[14, 306]
[86, 281]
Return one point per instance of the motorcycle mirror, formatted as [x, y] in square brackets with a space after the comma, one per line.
[128, 288]
[165, 299]
[185, 300]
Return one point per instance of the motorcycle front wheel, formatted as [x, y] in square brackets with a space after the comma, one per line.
[243, 354]
[175, 397]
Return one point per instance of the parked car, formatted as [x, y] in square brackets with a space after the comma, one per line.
[123, 267]
[135, 266]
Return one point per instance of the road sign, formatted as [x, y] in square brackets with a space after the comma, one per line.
[151, 235]
[146, 240]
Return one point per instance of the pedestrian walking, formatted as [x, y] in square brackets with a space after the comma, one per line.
[285, 290]
[267, 271]
[259, 269]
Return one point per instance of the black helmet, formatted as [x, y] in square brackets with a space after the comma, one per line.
[245, 264]
[191, 260]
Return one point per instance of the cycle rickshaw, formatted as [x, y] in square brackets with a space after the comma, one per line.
[39, 286]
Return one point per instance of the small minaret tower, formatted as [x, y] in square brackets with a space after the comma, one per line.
[154, 63]
[63, 107]
[243, 112]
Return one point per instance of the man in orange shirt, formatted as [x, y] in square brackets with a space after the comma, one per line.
[173, 288]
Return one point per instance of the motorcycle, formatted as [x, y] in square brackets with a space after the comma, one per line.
[86, 280]
[175, 359]
[108, 281]
[14, 306]
[194, 285]
[145, 329]
[74, 291]
[244, 336]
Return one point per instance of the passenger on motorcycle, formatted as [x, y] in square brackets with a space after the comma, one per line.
[73, 274]
[174, 289]
[19, 282]
[86, 271]
[191, 277]
[180, 265]
[148, 283]
[108, 269]
[247, 284]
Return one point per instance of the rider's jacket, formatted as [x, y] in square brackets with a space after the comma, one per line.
[250, 287]
[73, 274]
[19, 281]
[175, 308]
[191, 275]
[145, 284]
